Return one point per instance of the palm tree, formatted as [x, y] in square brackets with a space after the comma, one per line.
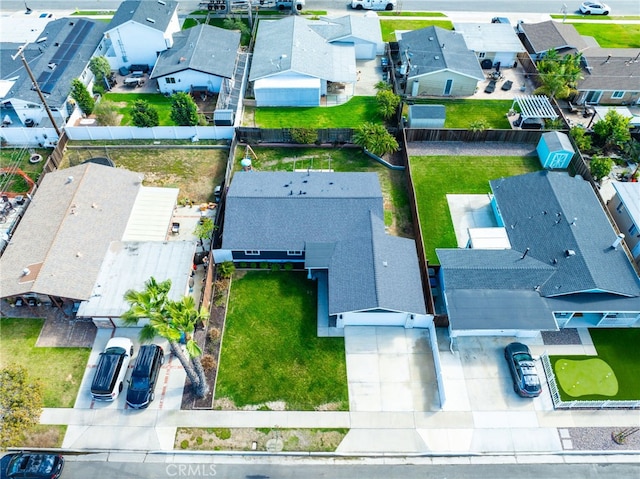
[171, 320]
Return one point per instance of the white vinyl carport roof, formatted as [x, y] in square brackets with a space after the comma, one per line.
[291, 82]
[151, 214]
[534, 106]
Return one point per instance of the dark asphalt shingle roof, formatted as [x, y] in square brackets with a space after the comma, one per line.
[552, 213]
[140, 10]
[610, 73]
[338, 218]
[202, 48]
[552, 35]
[433, 49]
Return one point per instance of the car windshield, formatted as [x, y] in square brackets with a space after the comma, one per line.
[522, 357]
[40, 463]
[531, 382]
[139, 383]
[115, 350]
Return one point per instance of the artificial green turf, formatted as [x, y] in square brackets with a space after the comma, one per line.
[59, 369]
[585, 376]
[461, 113]
[612, 35]
[19, 157]
[619, 349]
[436, 176]
[270, 349]
[125, 103]
[356, 111]
[389, 27]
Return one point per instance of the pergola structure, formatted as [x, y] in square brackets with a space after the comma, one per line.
[534, 106]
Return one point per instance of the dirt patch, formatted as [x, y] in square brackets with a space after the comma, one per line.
[45, 437]
[245, 439]
[226, 404]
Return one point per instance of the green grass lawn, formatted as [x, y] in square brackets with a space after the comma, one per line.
[586, 376]
[393, 183]
[619, 349]
[389, 27]
[270, 350]
[59, 369]
[125, 102]
[348, 115]
[19, 157]
[411, 14]
[460, 113]
[436, 176]
[612, 35]
[595, 17]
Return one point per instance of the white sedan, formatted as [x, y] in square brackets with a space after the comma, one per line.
[595, 8]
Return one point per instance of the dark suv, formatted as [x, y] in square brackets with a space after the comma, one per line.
[144, 376]
[34, 465]
[526, 382]
[112, 369]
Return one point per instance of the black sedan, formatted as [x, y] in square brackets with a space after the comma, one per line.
[34, 465]
[526, 382]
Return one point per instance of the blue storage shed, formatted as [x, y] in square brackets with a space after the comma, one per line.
[555, 150]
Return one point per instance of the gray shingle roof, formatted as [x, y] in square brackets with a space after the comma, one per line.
[557, 141]
[66, 231]
[202, 48]
[291, 45]
[552, 213]
[139, 11]
[349, 26]
[62, 47]
[339, 218]
[433, 49]
[552, 35]
[610, 73]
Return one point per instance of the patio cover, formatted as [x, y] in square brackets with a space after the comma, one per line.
[534, 106]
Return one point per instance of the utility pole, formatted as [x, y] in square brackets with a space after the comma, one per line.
[37, 87]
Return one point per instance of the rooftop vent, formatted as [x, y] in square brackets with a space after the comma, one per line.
[617, 241]
[150, 20]
[41, 39]
[69, 179]
[569, 252]
[161, 2]
[26, 271]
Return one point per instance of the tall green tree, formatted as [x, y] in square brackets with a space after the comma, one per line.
[172, 320]
[236, 23]
[559, 75]
[144, 115]
[100, 67]
[387, 103]
[184, 111]
[375, 138]
[21, 403]
[600, 167]
[613, 130]
[81, 95]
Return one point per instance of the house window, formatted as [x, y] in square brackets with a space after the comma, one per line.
[481, 55]
[169, 80]
[252, 252]
[294, 253]
[633, 230]
[620, 207]
[617, 94]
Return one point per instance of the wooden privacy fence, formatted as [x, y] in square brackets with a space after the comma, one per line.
[503, 136]
[283, 135]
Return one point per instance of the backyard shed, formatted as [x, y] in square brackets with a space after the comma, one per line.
[426, 116]
[555, 150]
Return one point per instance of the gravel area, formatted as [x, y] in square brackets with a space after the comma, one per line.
[459, 148]
[564, 336]
[598, 439]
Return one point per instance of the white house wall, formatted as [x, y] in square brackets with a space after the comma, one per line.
[288, 89]
[134, 43]
[184, 80]
[365, 318]
[365, 50]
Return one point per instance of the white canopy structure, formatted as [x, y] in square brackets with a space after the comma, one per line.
[534, 106]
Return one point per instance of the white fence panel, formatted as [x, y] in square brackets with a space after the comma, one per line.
[35, 137]
[89, 133]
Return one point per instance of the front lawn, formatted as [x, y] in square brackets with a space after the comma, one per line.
[618, 348]
[461, 113]
[348, 115]
[612, 35]
[270, 349]
[125, 102]
[59, 369]
[389, 27]
[393, 183]
[436, 176]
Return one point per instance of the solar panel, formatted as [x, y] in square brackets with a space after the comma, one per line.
[65, 54]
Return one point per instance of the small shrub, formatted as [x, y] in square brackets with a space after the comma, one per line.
[264, 265]
[184, 444]
[199, 440]
[478, 125]
[263, 430]
[214, 334]
[208, 362]
[275, 267]
[581, 138]
[243, 264]
[264, 407]
[288, 266]
[304, 136]
[600, 167]
[254, 265]
[223, 433]
[226, 269]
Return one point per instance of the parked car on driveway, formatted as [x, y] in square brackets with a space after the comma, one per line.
[594, 8]
[32, 465]
[144, 376]
[526, 382]
[112, 369]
